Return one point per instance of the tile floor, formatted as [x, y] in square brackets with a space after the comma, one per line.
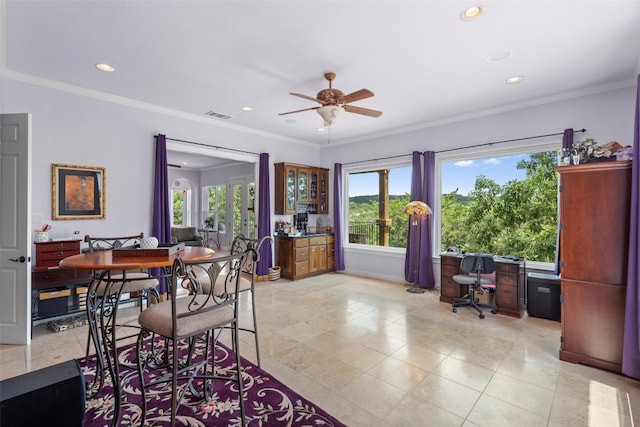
[372, 354]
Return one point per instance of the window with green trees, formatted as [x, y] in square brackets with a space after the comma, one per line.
[376, 199]
[214, 206]
[512, 213]
[178, 205]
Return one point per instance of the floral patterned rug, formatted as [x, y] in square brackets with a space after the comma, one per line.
[267, 401]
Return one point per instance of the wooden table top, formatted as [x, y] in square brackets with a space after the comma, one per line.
[103, 260]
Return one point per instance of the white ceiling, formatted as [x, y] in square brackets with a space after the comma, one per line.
[424, 64]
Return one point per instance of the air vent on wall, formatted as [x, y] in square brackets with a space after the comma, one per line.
[217, 115]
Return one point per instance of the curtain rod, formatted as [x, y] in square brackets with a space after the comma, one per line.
[211, 146]
[507, 140]
[468, 146]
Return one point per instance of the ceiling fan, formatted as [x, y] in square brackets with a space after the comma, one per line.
[334, 102]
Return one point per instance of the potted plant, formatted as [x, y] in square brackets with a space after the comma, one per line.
[210, 223]
[583, 151]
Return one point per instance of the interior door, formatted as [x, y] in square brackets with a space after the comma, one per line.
[15, 226]
[242, 204]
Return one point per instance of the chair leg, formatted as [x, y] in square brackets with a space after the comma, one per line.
[236, 349]
[469, 300]
[255, 326]
[141, 361]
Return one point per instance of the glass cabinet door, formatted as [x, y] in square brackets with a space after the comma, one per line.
[303, 185]
[313, 185]
[323, 202]
[291, 190]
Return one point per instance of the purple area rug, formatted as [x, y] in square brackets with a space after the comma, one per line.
[267, 401]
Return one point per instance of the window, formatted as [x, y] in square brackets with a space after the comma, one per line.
[377, 196]
[214, 206]
[178, 205]
[501, 202]
[181, 202]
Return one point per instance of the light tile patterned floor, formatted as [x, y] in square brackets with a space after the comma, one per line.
[372, 354]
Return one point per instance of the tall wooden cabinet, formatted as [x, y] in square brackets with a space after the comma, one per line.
[300, 188]
[594, 242]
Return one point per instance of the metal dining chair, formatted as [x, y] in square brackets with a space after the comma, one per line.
[193, 323]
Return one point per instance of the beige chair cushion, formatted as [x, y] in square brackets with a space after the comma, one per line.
[157, 318]
[135, 282]
[470, 279]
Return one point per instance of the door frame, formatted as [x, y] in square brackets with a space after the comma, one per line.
[221, 153]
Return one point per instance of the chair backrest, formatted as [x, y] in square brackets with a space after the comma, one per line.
[108, 243]
[189, 274]
[478, 264]
[241, 244]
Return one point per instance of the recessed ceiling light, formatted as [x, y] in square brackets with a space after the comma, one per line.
[247, 109]
[514, 79]
[320, 130]
[499, 56]
[471, 13]
[105, 67]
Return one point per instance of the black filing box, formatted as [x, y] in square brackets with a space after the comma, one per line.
[543, 296]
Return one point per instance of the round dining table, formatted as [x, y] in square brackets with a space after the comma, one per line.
[103, 297]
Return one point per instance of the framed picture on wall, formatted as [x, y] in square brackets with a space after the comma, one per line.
[78, 192]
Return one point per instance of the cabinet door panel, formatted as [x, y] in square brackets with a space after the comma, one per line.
[303, 185]
[595, 214]
[290, 195]
[592, 321]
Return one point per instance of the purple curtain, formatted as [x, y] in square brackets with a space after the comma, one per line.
[161, 228]
[413, 240]
[631, 346]
[426, 278]
[264, 211]
[567, 142]
[337, 217]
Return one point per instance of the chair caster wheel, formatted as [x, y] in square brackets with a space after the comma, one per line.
[494, 311]
[481, 316]
[455, 310]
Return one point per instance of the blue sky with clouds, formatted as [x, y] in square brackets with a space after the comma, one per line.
[459, 174]
[462, 174]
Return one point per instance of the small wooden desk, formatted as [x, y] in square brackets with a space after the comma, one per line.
[102, 310]
[510, 283]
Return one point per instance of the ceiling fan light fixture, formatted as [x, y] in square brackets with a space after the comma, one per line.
[330, 113]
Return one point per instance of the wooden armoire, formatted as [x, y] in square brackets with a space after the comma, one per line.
[594, 242]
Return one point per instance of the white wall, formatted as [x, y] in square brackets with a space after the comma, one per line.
[70, 128]
[84, 130]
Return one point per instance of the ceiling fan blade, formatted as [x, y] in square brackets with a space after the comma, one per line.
[357, 95]
[363, 111]
[305, 97]
[299, 111]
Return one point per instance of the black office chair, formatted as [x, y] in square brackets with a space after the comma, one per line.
[474, 266]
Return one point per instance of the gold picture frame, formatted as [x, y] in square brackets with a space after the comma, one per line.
[78, 192]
